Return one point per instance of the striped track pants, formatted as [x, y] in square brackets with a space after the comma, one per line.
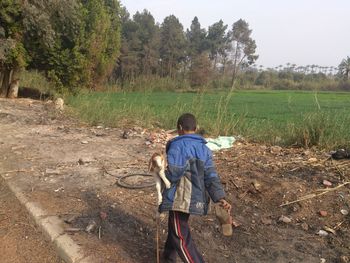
[179, 240]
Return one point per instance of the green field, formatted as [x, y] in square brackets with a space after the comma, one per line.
[278, 117]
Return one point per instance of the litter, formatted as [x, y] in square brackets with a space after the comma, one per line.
[341, 154]
[222, 142]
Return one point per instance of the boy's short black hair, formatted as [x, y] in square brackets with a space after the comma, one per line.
[187, 122]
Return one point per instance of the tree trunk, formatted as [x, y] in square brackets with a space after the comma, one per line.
[6, 80]
[1, 76]
[234, 67]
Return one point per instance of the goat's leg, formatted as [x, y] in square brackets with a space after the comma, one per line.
[165, 180]
[159, 190]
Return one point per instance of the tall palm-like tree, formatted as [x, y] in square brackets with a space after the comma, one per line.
[344, 68]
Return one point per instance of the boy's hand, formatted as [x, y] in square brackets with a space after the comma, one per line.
[225, 205]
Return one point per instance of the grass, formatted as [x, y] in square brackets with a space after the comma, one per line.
[276, 117]
[36, 80]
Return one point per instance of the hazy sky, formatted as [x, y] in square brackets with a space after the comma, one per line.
[295, 31]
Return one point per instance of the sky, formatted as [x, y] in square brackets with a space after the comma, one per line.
[301, 32]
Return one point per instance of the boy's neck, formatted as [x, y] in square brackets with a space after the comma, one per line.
[182, 132]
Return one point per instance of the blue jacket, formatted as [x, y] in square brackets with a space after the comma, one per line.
[192, 175]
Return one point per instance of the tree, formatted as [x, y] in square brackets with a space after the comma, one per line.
[217, 40]
[13, 56]
[148, 35]
[75, 42]
[101, 39]
[200, 71]
[344, 68]
[242, 47]
[128, 65]
[172, 45]
[196, 37]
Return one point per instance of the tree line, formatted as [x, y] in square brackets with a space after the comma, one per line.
[86, 43]
[74, 42]
[196, 54]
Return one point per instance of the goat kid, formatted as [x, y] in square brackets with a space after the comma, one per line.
[157, 165]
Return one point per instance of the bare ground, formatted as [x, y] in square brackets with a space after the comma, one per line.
[20, 240]
[40, 152]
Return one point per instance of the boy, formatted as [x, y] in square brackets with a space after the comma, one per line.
[193, 176]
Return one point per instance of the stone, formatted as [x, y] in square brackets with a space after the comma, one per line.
[326, 183]
[322, 233]
[323, 213]
[285, 219]
[344, 212]
[59, 104]
[266, 221]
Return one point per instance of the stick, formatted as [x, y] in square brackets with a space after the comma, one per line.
[157, 237]
[338, 225]
[342, 174]
[16, 171]
[310, 196]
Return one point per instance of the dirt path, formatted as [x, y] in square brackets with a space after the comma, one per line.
[20, 239]
[71, 170]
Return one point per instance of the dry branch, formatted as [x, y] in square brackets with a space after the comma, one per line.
[313, 195]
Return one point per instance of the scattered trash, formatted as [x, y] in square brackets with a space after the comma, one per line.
[49, 171]
[222, 142]
[326, 183]
[84, 142]
[322, 233]
[344, 259]
[285, 219]
[344, 212]
[323, 260]
[91, 226]
[256, 185]
[323, 213]
[59, 189]
[126, 134]
[85, 160]
[341, 154]
[328, 229]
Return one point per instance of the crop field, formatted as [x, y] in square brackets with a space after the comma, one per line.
[278, 117]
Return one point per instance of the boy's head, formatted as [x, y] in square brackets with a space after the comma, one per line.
[186, 124]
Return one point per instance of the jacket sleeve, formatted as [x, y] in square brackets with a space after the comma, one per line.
[212, 181]
[175, 169]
